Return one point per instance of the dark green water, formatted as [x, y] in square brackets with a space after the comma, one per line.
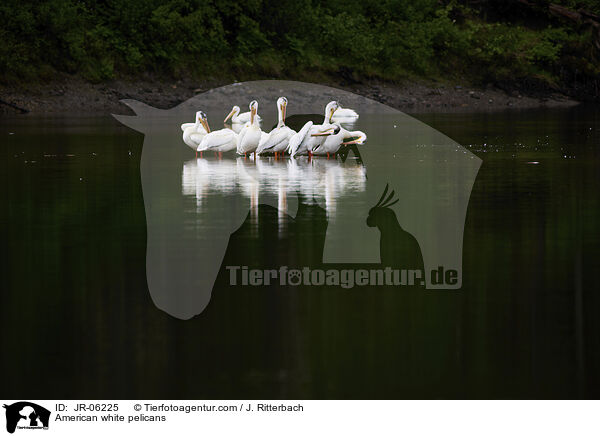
[77, 320]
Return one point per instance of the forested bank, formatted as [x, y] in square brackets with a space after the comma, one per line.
[533, 45]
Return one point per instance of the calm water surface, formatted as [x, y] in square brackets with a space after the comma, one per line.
[77, 319]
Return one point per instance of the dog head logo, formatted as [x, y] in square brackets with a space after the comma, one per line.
[431, 176]
[26, 415]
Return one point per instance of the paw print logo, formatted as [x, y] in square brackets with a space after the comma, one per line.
[294, 277]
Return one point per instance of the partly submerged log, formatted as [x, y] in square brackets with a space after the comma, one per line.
[14, 106]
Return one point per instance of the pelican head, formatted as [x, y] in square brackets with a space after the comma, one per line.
[253, 106]
[333, 131]
[281, 107]
[331, 107]
[202, 119]
[235, 111]
[361, 137]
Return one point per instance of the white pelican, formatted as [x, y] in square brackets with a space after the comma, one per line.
[313, 137]
[277, 141]
[297, 140]
[344, 115]
[238, 120]
[335, 139]
[194, 132]
[249, 136]
[219, 141]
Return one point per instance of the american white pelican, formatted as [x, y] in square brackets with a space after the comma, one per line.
[249, 136]
[335, 139]
[219, 141]
[238, 120]
[344, 115]
[193, 134]
[277, 141]
[297, 140]
[312, 138]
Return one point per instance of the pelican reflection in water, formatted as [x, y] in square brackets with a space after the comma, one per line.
[318, 180]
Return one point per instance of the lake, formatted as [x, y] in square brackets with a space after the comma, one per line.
[78, 321]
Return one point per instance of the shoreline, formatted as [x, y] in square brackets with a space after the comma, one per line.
[84, 98]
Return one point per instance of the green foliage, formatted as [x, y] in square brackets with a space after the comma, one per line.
[390, 39]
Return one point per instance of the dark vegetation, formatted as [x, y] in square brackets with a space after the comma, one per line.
[531, 44]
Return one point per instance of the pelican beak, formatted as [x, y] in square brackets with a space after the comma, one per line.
[252, 114]
[360, 140]
[205, 124]
[355, 141]
[325, 133]
[331, 113]
[229, 116]
[284, 110]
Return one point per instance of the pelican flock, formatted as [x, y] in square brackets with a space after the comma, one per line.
[245, 136]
